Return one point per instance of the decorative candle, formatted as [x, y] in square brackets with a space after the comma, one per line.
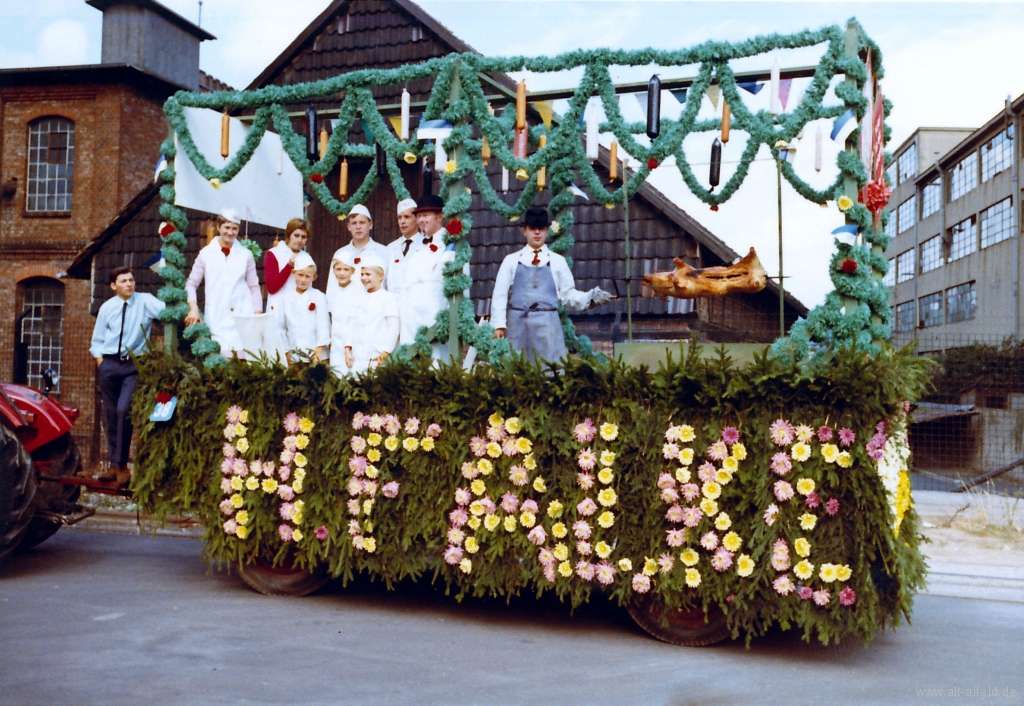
[440, 156]
[485, 151]
[776, 105]
[817, 150]
[613, 161]
[311, 149]
[405, 115]
[592, 130]
[382, 164]
[225, 135]
[654, 107]
[280, 157]
[504, 180]
[519, 143]
[542, 172]
[715, 173]
[324, 137]
[726, 121]
[343, 180]
[521, 105]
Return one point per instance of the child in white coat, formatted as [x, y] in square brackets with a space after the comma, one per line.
[373, 333]
[343, 302]
[306, 320]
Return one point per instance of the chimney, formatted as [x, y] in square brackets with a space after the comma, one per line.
[148, 36]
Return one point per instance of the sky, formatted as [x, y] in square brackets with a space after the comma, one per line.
[947, 64]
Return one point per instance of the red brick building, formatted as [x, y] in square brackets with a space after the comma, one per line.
[77, 143]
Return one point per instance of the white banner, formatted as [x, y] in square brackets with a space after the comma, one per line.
[267, 190]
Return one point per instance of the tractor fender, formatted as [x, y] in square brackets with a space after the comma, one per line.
[36, 418]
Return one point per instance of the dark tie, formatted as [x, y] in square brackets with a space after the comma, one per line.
[120, 336]
[536, 257]
[427, 240]
[405, 247]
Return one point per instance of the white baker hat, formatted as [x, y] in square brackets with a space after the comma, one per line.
[360, 210]
[406, 205]
[371, 261]
[345, 257]
[303, 260]
[231, 215]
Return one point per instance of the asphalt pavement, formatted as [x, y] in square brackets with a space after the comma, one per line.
[102, 618]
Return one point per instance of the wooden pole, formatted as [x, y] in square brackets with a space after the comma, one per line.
[782, 293]
[456, 188]
[629, 261]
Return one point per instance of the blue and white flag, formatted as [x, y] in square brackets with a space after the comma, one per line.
[160, 166]
[578, 191]
[155, 263]
[848, 229]
[787, 154]
[845, 125]
[679, 94]
[751, 87]
[434, 130]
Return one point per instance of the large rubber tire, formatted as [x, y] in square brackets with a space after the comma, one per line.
[64, 460]
[687, 628]
[18, 486]
[282, 580]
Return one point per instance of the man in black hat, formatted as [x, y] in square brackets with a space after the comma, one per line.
[423, 271]
[530, 285]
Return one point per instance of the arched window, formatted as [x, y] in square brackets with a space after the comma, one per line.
[39, 331]
[51, 165]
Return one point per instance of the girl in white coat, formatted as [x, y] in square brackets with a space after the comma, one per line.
[343, 302]
[373, 333]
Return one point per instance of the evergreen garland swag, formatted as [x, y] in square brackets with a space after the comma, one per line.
[563, 156]
[767, 490]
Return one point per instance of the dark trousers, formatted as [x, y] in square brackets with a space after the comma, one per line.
[117, 385]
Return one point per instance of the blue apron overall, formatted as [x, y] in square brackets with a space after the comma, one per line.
[533, 326]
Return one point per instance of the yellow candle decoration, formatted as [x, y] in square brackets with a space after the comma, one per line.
[343, 180]
[225, 135]
[613, 161]
[521, 105]
[542, 176]
[726, 121]
[323, 142]
[485, 151]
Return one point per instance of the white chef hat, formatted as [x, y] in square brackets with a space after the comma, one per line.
[303, 260]
[371, 261]
[406, 205]
[231, 215]
[360, 210]
[345, 257]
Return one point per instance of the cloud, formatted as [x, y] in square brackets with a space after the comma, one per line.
[64, 42]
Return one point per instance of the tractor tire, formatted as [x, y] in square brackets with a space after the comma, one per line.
[63, 460]
[282, 580]
[686, 628]
[18, 484]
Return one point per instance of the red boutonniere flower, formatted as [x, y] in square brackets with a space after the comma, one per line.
[849, 266]
[652, 163]
[433, 248]
[163, 397]
[454, 226]
[357, 260]
[316, 179]
[312, 306]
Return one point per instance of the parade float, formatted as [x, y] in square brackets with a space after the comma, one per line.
[709, 498]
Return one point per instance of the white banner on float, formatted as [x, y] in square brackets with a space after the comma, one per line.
[267, 190]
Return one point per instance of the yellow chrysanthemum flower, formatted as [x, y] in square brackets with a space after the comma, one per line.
[529, 463]
[367, 506]
[242, 445]
[371, 471]
[650, 567]
[538, 484]
[474, 522]
[300, 474]
[299, 505]
[711, 490]
[236, 500]
[605, 475]
[301, 441]
[730, 465]
[607, 458]
[686, 434]
[625, 565]
[496, 420]
[510, 523]
[843, 573]
[829, 573]
[427, 444]
[373, 455]
[410, 443]
[269, 485]
[244, 416]
[709, 507]
[739, 451]
[369, 543]
[565, 569]
[732, 541]
[374, 439]
[472, 546]
[478, 487]
[606, 519]
[808, 521]
[844, 459]
[242, 532]
[805, 486]
[242, 517]
[744, 565]
[306, 425]
[609, 431]
[476, 508]
[368, 526]
[240, 430]
[692, 578]
[391, 443]
[485, 467]
[603, 549]
[686, 457]
[845, 203]
[559, 530]
[513, 425]
[689, 557]
[723, 477]
[683, 475]
[830, 452]
[297, 486]
[251, 483]
[524, 445]
[802, 547]
[800, 451]
[237, 483]
[607, 497]
[297, 515]
[300, 460]
[561, 551]
[723, 522]
[804, 569]
[494, 449]
[449, 168]
[554, 509]
[491, 522]
[527, 519]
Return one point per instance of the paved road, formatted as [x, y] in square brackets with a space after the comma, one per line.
[93, 618]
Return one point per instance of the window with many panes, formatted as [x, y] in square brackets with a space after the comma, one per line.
[905, 264]
[39, 331]
[931, 197]
[907, 214]
[963, 177]
[963, 239]
[51, 165]
[890, 274]
[931, 310]
[997, 154]
[906, 164]
[931, 254]
[905, 317]
[961, 303]
[996, 223]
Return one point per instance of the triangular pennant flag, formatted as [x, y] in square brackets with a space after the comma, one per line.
[433, 129]
[160, 166]
[784, 87]
[155, 263]
[396, 123]
[679, 94]
[751, 87]
[578, 191]
[641, 98]
[544, 109]
[714, 92]
[846, 124]
[367, 131]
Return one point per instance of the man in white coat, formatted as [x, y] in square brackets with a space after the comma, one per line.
[530, 285]
[360, 226]
[232, 285]
[306, 318]
[409, 241]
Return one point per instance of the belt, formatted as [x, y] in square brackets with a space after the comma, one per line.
[115, 357]
[532, 309]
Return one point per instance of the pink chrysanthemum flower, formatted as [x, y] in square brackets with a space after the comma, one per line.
[811, 500]
[370, 487]
[412, 426]
[375, 422]
[529, 506]
[877, 441]
[586, 459]
[285, 492]
[781, 464]
[230, 527]
[718, 451]
[783, 585]
[234, 414]
[453, 555]
[256, 467]
[285, 532]
[581, 529]
[518, 476]
[358, 421]
[675, 537]
[478, 446]
[549, 572]
[284, 473]
[509, 502]
[847, 596]
[665, 480]
[770, 513]
[783, 491]
[434, 431]
[321, 533]
[670, 451]
[226, 507]
[583, 548]
[537, 535]
[354, 506]
[781, 432]
[722, 559]
[268, 468]
[225, 485]
[780, 563]
[709, 541]
[822, 597]
[669, 495]
[455, 536]
[665, 563]
[846, 436]
[291, 443]
[586, 507]
[286, 457]
[674, 514]
[641, 583]
[824, 434]
[291, 423]
[585, 431]
[780, 548]
[355, 486]
[508, 446]
[239, 467]
[730, 435]
[357, 464]
[353, 527]
[585, 480]
[390, 489]
[832, 506]
[458, 516]
[462, 496]
[805, 593]
[496, 433]
[227, 465]
[692, 516]
[605, 573]
[286, 511]
[358, 444]
[690, 491]
[546, 556]
[228, 450]
[876, 455]
[706, 472]
[392, 425]
[804, 433]
[585, 570]
[673, 433]
[469, 470]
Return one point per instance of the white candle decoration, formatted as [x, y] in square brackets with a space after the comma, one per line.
[440, 157]
[504, 180]
[776, 106]
[592, 132]
[817, 150]
[405, 115]
[280, 158]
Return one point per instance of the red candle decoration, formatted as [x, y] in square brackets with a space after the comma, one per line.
[454, 226]
[316, 179]
[849, 266]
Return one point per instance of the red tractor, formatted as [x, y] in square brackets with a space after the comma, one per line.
[39, 461]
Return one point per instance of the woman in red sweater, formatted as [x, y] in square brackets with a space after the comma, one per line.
[278, 264]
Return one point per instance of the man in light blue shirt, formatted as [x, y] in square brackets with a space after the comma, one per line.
[122, 327]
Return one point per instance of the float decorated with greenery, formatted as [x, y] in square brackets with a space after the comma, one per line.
[774, 492]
